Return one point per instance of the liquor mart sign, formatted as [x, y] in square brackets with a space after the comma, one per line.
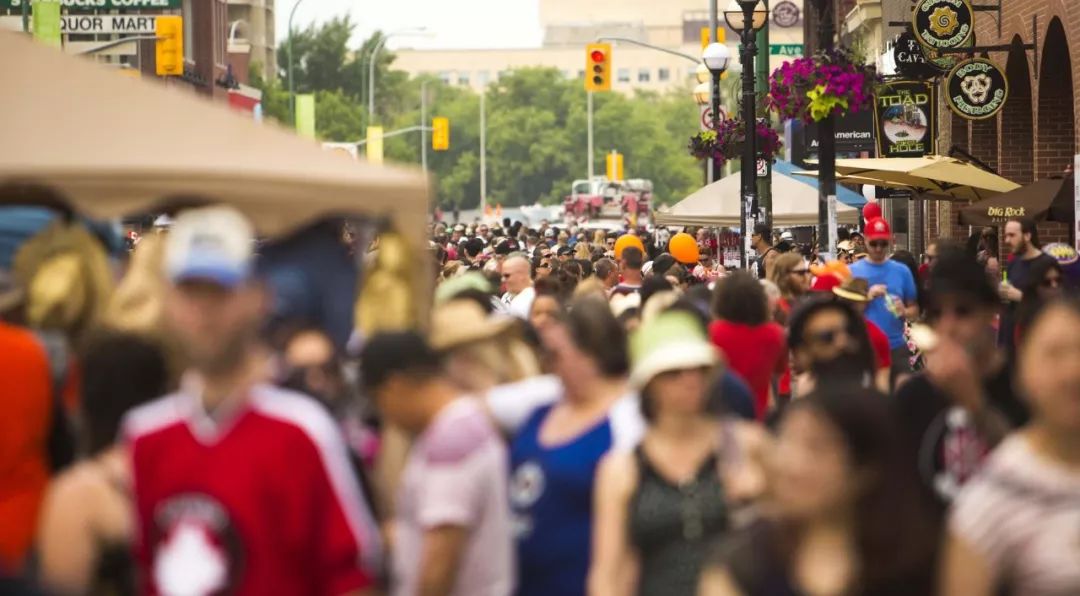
[81, 24]
[76, 5]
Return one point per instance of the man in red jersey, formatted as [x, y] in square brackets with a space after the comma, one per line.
[240, 488]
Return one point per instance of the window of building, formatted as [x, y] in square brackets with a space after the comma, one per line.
[463, 78]
[445, 76]
[663, 75]
[483, 78]
[624, 75]
[643, 75]
[189, 31]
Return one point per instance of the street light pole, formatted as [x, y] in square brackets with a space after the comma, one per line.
[827, 147]
[765, 184]
[423, 126]
[748, 169]
[371, 78]
[288, 50]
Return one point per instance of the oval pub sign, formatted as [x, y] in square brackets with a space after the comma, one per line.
[941, 24]
[977, 89]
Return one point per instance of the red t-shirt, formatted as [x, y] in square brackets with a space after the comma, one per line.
[880, 342]
[26, 387]
[757, 354]
[261, 502]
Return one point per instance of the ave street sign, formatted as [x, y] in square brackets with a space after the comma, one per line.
[80, 24]
[78, 5]
[786, 49]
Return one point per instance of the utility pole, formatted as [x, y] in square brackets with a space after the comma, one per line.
[483, 153]
[827, 147]
[423, 126]
[762, 79]
[589, 110]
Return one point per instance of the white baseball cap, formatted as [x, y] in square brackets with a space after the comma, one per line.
[213, 244]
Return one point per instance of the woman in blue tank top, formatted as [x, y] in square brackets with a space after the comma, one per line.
[555, 454]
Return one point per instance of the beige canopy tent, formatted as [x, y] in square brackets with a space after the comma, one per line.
[80, 134]
[111, 145]
[795, 203]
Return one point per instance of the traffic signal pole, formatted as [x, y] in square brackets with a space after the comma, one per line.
[589, 94]
[827, 147]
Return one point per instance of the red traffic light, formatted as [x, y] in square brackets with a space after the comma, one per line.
[597, 56]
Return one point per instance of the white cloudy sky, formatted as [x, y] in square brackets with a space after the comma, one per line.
[449, 23]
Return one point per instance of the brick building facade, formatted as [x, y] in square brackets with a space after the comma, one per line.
[1035, 136]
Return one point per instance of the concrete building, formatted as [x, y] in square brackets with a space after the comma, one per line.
[569, 25]
[251, 37]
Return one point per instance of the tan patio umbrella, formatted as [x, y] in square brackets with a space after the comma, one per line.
[1050, 199]
[936, 175]
[111, 145]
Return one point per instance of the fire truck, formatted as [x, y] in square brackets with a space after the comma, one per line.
[603, 200]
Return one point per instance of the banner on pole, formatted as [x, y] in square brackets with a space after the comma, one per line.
[46, 22]
[374, 144]
[305, 115]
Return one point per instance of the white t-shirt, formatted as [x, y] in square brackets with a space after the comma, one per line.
[520, 304]
[457, 475]
[1022, 513]
[512, 404]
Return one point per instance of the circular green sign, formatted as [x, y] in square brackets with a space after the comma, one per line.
[943, 24]
[976, 89]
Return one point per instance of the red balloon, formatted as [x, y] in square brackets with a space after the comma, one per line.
[871, 211]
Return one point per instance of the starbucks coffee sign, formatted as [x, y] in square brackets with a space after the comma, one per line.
[976, 89]
[943, 24]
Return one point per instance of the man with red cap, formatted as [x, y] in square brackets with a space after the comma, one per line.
[892, 292]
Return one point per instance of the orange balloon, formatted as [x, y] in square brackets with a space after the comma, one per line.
[628, 240]
[684, 248]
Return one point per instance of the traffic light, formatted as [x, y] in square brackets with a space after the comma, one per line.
[440, 133]
[598, 67]
[169, 50]
[614, 166]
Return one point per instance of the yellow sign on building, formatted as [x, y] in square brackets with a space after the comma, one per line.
[721, 36]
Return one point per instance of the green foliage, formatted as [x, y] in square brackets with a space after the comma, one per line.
[536, 122]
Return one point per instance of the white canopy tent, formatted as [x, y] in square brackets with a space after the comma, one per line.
[795, 203]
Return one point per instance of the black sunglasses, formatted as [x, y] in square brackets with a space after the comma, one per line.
[801, 272]
[878, 243]
[826, 336]
[1051, 282]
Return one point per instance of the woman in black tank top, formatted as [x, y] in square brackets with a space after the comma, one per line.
[658, 507]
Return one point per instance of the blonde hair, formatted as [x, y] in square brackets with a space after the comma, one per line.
[780, 272]
[599, 238]
[582, 251]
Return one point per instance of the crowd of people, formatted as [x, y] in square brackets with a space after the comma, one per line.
[584, 412]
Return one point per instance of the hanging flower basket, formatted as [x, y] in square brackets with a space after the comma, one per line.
[726, 143]
[828, 83]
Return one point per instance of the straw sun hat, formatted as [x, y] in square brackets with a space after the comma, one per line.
[460, 322]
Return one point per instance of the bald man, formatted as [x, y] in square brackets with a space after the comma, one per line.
[518, 285]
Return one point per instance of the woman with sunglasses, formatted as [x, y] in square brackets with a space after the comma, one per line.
[791, 274]
[659, 506]
[1045, 281]
[1014, 527]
